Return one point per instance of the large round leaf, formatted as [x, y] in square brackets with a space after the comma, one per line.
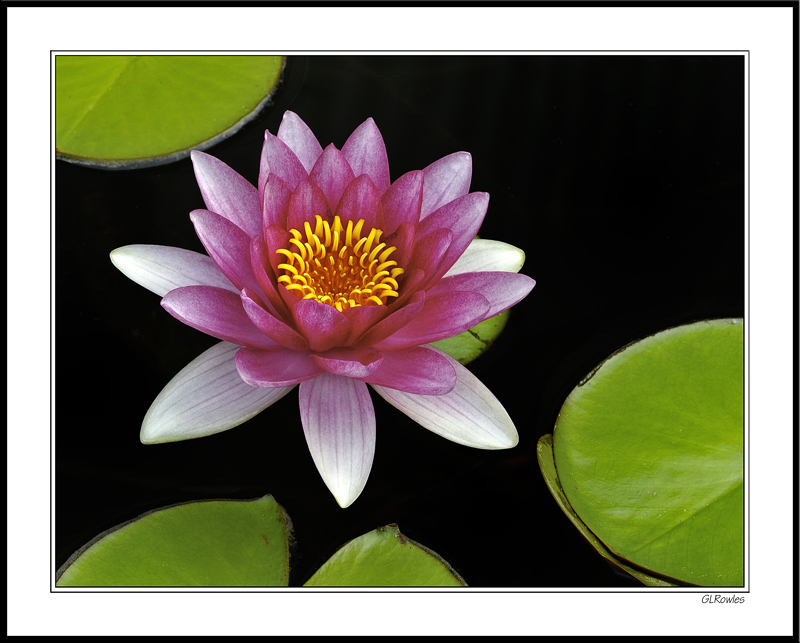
[649, 452]
[131, 111]
[544, 454]
[217, 543]
[385, 558]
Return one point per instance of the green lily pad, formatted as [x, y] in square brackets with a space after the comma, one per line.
[241, 543]
[544, 453]
[648, 450]
[133, 111]
[472, 343]
[216, 543]
[385, 558]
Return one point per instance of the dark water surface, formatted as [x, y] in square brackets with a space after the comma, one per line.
[622, 179]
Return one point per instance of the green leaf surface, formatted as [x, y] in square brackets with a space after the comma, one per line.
[216, 543]
[133, 111]
[649, 453]
[470, 344]
[385, 558]
[544, 453]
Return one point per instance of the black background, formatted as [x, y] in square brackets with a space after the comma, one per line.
[622, 179]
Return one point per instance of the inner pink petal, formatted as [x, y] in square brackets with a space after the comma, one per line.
[402, 201]
[392, 322]
[228, 245]
[349, 362]
[270, 325]
[332, 173]
[227, 193]
[261, 262]
[444, 315]
[363, 318]
[366, 153]
[300, 139]
[275, 368]
[446, 180]
[307, 202]
[463, 217]
[277, 158]
[216, 312]
[361, 200]
[322, 325]
[418, 370]
[275, 202]
[501, 289]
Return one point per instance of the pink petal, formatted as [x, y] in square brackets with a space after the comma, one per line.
[216, 312]
[402, 202]
[300, 139]
[469, 414]
[402, 240]
[429, 252]
[260, 262]
[205, 397]
[322, 325]
[275, 238]
[444, 314]
[409, 285]
[420, 370]
[501, 289]
[275, 368]
[227, 193]
[332, 173]
[339, 424]
[275, 202]
[392, 322]
[278, 159]
[348, 362]
[366, 153]
[463, 217]
[163, 268]
[361, 200]
[446, 180]
[270, 325]
[362, 318]
[228, 245]
[306, 203]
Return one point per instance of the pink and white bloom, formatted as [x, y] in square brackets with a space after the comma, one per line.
[330, 276]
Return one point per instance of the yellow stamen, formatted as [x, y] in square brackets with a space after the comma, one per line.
[337, 266]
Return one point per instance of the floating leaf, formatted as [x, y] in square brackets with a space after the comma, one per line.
[235, 543]
[467, 346]
[215, 543]
[385, 558]
[133, 111]
[544, 453]
[649, 453]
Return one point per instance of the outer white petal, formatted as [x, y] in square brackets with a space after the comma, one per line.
[339, 424]
[164, 268]
[486, 255]
[469, 414]
[208, 396]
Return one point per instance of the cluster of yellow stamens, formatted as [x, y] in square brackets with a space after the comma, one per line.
[336, 265]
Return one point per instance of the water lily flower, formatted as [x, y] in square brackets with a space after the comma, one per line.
[329, 276]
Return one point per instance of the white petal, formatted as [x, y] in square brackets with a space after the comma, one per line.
[339, 423]
[164, 268]
[486, 255]
[208, 396]
[469, 414]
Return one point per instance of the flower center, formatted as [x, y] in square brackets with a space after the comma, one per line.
[338, 266]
